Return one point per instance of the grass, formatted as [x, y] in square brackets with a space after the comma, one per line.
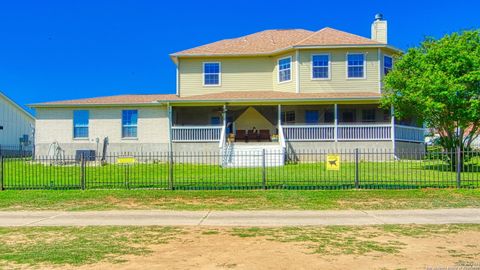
[75, 246]
[25, 174]
[77, 200]
[353, 240]
[78, 245]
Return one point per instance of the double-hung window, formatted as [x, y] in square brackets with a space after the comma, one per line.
[80, 124]
[368, 115]
[288, 117]
[356, 65]
[211, 74]
[320, 66]
[129, 123]
[284, 69]
[387, 64]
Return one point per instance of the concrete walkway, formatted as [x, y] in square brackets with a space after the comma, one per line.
[238, 218]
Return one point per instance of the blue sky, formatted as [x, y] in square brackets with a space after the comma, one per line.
[54, 50]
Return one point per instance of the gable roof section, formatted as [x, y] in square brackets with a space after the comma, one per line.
[14, 104]
[234, 96]
[272, 41]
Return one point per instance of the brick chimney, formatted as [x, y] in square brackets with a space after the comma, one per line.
[379, 29]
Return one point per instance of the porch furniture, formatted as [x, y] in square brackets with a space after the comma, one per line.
[241, 135]
[252, 135]
[231, 137]
[264, 135]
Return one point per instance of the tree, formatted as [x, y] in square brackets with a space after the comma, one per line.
[439, 83]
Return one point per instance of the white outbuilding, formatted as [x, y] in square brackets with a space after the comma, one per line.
[16, 125]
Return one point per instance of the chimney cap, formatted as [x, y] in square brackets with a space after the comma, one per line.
[378, 17]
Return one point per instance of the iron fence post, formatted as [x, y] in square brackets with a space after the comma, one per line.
[356, 168]
[170, 170]
[264, 175]
[459, 166]
[82, 172]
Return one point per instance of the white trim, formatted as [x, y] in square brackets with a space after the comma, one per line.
[297, 71]
[177, 83]
[364, 66]
[219, 74]
[329, 67]
[380, 65]
[278, 69]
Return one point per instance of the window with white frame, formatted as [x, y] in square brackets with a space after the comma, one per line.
[288, 117]
[320, 66]
[387, 64]
[284, 69]
[211, 74]
[80, 124]
[129, 123]
[356, 65]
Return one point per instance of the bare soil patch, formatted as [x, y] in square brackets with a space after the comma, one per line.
[219, 248]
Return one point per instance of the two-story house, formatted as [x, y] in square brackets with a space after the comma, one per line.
[287, 89]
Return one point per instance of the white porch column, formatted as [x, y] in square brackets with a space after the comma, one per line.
[224, 115]
[335, 121]
[392, 120]
[170, 124]
[279, 115]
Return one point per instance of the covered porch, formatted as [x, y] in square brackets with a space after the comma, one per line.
[284, 122]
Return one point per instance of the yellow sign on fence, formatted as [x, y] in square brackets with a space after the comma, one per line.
[125, 160]
[333, 162]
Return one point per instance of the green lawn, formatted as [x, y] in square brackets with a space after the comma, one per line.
[22, 174]
[77, 200]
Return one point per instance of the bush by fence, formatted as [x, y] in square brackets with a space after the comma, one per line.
[302, 170]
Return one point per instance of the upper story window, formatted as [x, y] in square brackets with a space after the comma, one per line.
[356, 65]
[284, 69]
[211, 74]
[80, 124]
[129, 123]
[320, 66]
[387, 64]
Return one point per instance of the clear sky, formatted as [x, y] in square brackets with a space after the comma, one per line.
[55, 50]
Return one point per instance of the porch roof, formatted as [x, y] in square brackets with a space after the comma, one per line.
[222, 97]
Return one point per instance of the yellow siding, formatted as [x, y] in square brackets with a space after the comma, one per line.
[338, 78]
[237, 74]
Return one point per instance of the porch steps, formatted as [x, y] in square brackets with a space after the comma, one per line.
[253, 155]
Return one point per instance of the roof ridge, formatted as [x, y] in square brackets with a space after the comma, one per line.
[310, 36]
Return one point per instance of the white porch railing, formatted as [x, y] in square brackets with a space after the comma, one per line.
[352, 132]
[364, 132]
[196, 133]
[410, 134]
[309, 132]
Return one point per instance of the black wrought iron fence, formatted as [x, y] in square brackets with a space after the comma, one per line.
[262, 169]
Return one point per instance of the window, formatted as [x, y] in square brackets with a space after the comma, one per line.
[129, 123]
[215, 120]
[387, 64]
[368, 115]
[211, 74]
[356, 66]
[288, 117]
[329, 116]
[80, 124]
[348, 117]
[320, 66]
[284, 69]
[311, 117]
